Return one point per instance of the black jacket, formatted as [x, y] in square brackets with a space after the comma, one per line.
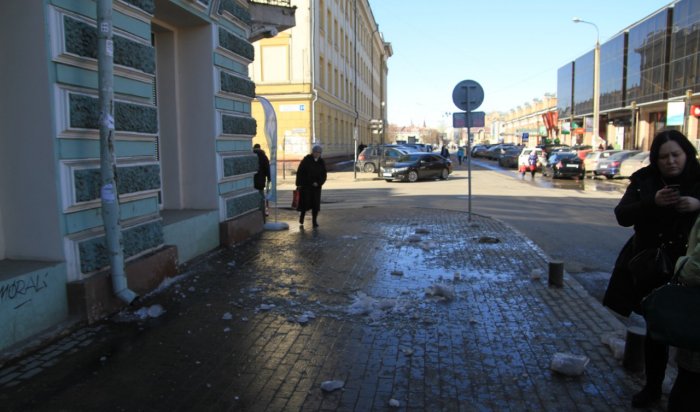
[263, 174]
[653, 225]
[310, 171]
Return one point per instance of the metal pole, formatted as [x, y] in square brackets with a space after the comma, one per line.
[108, 164]
[469, 158]
[596, 93]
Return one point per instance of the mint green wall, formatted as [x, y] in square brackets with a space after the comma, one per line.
[193, 236]
[31, 301]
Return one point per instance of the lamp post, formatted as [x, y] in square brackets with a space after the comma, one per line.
[596, 81]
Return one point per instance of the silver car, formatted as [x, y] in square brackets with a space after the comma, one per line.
[590, 163]
[634, 163]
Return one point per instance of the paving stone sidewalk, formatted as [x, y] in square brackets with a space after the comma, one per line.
[428, 311]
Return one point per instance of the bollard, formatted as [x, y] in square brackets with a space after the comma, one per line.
[556, 273]
[633, 360]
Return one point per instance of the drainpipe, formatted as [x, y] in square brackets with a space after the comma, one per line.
[312, 16]
[356, 132]
[108, 163]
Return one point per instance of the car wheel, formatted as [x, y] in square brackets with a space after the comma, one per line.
[369, 168]
[412, 176]
[444, 174]
[389, 180]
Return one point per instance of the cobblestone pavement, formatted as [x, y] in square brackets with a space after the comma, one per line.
[406, 306]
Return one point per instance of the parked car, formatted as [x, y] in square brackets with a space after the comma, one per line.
[418, 147]
[548, 168]
[590, 163]
[419, 165]
[370, 158]
[509, 159]
[610, 167]
[564, 164]
[525, 154]
[633, 163]
[480, 150]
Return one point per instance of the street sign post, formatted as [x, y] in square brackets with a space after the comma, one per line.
[468, 96]
[459, 119]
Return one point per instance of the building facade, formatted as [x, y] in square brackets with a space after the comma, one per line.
[326, 78]
[533, 123]
[648, 80]
[183, 131]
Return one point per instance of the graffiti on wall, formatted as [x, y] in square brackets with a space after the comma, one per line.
[21, 291]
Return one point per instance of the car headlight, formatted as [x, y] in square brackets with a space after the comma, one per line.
[401, 170]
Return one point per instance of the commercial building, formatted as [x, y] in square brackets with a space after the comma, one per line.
[532, 122]
[649, 79]
[182, 131]
[326, 78]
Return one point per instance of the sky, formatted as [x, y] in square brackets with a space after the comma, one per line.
[512, 48]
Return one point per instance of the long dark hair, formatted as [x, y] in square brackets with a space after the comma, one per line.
[691, 162]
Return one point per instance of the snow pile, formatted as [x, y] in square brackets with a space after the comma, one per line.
[367, 305]
[143, 313]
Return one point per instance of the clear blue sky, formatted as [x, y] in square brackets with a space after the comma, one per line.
[513, 48]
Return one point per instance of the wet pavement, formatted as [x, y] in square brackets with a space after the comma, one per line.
[410, 309]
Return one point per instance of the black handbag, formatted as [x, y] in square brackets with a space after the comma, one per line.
[650, 269]
[672, 313]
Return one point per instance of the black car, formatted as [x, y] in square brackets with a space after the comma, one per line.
[564, 164]
[414, 166]
[509, 159]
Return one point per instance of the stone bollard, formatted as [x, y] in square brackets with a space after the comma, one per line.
[633, 360]
[556, 273]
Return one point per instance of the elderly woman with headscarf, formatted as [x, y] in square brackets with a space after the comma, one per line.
[311, 175]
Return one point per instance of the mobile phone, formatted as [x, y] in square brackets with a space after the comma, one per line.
[675, 188]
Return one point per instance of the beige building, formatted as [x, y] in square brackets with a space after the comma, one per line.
[326, 78]
[529, 120]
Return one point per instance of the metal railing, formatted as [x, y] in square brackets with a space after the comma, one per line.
[284, 3]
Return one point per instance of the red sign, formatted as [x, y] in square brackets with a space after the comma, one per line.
[695, 110]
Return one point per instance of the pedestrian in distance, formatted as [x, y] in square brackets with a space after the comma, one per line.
[311, 175]
[262, 178]
[532, 162]
[685, 395]
[444, 152]
[460, 154]
[661, 203]
[360, 148]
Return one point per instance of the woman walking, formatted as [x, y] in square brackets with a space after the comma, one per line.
[311, 175]
[661, 203]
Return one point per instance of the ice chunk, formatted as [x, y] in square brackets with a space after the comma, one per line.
[394, 403]
[569, 364]
[155, 311]
[330, 386]
[441, 290]
[227, 316]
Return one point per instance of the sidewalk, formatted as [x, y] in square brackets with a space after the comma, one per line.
[430, 310]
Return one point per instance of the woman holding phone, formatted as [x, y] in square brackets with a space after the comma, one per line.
[661, 203]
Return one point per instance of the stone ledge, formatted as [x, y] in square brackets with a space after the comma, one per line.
[92, 298]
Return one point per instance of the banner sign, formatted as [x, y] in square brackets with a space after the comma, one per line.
[271, 136]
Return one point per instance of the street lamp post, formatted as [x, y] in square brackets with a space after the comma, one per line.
[596, 81]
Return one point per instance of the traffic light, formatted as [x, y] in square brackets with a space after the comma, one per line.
[695, 110]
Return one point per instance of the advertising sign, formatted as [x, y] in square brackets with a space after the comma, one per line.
[675, 113]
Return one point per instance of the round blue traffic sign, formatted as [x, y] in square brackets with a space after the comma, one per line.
[468, 95]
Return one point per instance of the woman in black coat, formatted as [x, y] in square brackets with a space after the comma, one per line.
[661, 203]
[311, 175]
